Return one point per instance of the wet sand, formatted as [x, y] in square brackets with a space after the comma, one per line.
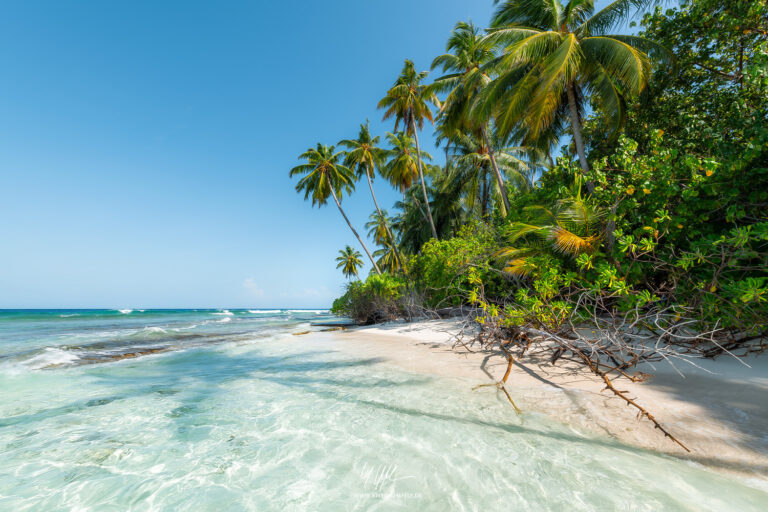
[719, 411]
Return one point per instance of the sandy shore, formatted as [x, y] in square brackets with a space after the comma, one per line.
[720, 411]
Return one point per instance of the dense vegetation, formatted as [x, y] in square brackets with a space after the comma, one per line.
[653, 214]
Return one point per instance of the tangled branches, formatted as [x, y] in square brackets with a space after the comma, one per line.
[605, 342]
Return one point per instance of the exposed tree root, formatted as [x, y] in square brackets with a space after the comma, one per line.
[613, 348]
[622, 394]
[502, 383]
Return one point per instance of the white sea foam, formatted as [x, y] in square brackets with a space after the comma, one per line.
[186, 328]
[225, 312]
[67, 316]
[318, 311]
[263, 311]
[49, 357]
[224, 320]
[125, 311]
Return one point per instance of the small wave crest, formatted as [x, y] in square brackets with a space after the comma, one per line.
[51, 357]
[263, 311]
[125, 311]
[225, 312]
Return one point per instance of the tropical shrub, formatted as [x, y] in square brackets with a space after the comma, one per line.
[441, 269]
[381, 297]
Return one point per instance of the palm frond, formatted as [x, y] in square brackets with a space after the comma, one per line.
[557, 70]
[623, 63]
[611, 15]
[518, 230]
[570, 243]
[534, 13]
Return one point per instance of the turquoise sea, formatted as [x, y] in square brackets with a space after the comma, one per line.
[226, 410]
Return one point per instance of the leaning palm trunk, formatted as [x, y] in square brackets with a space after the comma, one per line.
[421, 177]
[375, 266]
[576, 125]
[381, 216]
[499, 178]
[484, 193]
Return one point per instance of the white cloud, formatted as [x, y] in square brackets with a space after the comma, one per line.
[252, 287]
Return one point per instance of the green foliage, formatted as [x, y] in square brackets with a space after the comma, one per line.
[377, 299]
[669, 215]
[441, 269]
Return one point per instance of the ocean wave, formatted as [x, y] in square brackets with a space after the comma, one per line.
[186, 327]
[51, 357]
[264, 311]
[317, 311]
[125, 311]
[67, 316]
[224, 312]
[219, 321]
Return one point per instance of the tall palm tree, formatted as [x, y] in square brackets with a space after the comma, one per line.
[349, 262]
[364, 156]
[402, 167]
[378, 229]
[408, 101]
[325, 177]
[410, 223]
[448, 210]
[557, 53]
[468, 167]
[468, 56]
[387, 259]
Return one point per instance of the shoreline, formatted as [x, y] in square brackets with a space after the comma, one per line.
[719, 410]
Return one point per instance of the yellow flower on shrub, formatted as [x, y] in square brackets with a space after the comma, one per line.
[630, 190]
[646, 191]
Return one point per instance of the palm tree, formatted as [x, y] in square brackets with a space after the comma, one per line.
[378, 227]
[364, 156]
[554, 55]
[349, 261]
[468, 167]
[402, 168]
[448, 210]
[409, 223]
[324, 177]
[468, 55]
[387, 259]
[408, 101]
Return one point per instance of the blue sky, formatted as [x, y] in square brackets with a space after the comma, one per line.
[145, 146]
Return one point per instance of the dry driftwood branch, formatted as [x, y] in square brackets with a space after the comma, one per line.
[607, 343]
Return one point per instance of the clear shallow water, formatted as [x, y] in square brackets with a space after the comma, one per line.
[232, 412]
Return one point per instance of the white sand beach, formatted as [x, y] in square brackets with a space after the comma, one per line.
[719, 410]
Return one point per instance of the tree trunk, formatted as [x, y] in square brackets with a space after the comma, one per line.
[576, 126]
[375, 266]
[386, 224]
[484, 192]
[421, 177]
[499, 178]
